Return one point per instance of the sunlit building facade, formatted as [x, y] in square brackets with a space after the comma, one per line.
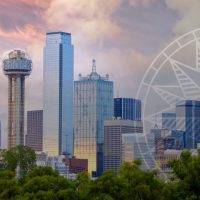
[93, 103]
[58, 94]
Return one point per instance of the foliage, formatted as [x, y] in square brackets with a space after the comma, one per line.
[187, 176]
[20, 156]
[131, 183]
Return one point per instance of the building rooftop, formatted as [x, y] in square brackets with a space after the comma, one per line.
[122, 122]
[93, 75]
[58, 32]
[16, 61]
[188, 103]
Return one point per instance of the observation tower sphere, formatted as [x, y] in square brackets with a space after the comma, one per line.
[16, 65]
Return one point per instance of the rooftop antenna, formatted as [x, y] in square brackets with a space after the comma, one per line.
[93, 66]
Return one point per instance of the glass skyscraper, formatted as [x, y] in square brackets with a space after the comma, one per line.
[127, 108]
[188, 121]
[169, 120]
[93, 103]
[58, 94]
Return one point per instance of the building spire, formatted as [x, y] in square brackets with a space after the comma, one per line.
[93, 66]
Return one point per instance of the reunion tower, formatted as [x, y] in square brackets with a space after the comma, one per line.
[16, 65]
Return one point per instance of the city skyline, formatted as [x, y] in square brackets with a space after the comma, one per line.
[127, 26]
[100, 99]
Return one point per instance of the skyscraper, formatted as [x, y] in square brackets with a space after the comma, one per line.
[16, 65]
[127, 108]
[169, 120]
[34, 129]
[58, 94]
[113, 131]
[93, 103]
[188, 121]
[138, 146]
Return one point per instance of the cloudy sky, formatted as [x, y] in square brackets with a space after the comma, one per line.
[122, 35]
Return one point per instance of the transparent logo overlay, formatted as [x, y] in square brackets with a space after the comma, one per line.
[170, 91]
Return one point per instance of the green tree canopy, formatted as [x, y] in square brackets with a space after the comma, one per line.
[20, 156]
[131, 183]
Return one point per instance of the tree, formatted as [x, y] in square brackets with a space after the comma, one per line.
[42, 171]
[19, 157]
[186, 180]
[9, 187]
[107, 187]
[139, 184]
[83, 182]
[45, 183]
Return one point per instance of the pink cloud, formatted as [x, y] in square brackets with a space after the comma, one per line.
[27, 34]
[90, 21]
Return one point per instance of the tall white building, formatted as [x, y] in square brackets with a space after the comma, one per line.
[93, 103]
[58, 94]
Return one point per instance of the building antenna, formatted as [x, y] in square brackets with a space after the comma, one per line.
[156, 118]
[93, 66]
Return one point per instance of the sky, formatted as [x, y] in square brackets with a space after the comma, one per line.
[124, 36]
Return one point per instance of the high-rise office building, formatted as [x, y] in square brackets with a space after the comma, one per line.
[113, 131]
[188, 120]
[58, 94]
[138, 146]
[180, 137]
[127, 108]
[93, 103]
[16, 65]
[159, 134]
[34, 129]
[169, 120]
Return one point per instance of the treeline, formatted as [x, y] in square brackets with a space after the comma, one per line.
[42, 183]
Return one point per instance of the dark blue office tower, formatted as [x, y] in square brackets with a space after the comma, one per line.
[169, 120]
[188, 120]
[127, 108]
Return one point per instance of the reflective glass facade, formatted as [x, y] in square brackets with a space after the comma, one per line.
[127, 108]
[169, 121]
[58, 94]
[188, 120]
[93, 103]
